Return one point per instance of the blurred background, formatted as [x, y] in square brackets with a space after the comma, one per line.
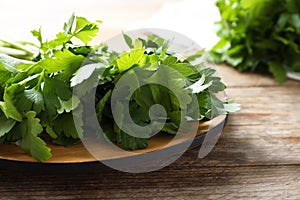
[194, 18]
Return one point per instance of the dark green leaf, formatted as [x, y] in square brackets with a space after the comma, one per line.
[128, 40]
[278, 71]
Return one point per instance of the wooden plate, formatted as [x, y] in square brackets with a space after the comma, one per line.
[160, 144]
[294, 75]
[79, 154]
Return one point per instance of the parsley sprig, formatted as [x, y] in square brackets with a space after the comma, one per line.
[259, 35]
[37, 84]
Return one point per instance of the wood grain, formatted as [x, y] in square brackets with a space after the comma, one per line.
[257, 156]
[233, 78]
[179, 181]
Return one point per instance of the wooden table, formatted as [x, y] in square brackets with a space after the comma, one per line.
[257, 156]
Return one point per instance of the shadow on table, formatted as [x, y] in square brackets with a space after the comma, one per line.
[219, 168]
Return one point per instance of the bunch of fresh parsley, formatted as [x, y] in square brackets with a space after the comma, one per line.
[37, 98]
[259, 35]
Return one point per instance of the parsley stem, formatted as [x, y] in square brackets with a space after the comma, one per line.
[41, 79]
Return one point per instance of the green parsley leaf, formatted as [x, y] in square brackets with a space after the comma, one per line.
[69, 25]
[85, 31]
[129, 142]
[6, 124]
[127, 60]
[128, 40]
[61, 61]
[64, 125]
[10, 110]
[31, 143]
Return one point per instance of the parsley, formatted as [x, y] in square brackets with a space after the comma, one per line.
[259, 35]
[37, 99]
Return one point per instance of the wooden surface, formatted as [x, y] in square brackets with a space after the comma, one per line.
[257, 156]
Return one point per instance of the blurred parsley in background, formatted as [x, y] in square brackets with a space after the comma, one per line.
[259, 35]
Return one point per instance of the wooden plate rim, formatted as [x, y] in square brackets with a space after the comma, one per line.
[88, 158]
